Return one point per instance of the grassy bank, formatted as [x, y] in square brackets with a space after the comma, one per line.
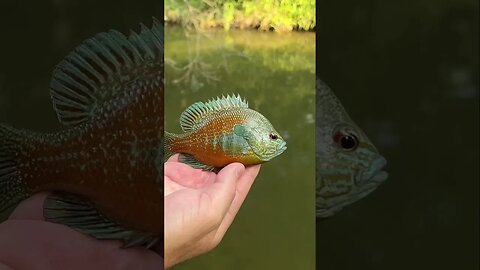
[285, 15]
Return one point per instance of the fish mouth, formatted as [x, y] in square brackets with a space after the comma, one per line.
[281, 148]
[372, 178]
[379, 175]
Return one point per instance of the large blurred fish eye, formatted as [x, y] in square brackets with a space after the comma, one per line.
[273, 136]
[347, 141]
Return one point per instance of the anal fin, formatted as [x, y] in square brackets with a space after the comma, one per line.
[80, 214]
[192, 161]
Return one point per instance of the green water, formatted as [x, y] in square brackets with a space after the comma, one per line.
[407, 73]
[275, 73]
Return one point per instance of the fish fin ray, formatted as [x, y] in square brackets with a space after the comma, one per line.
[100, 70]
[80, 214]
[192, 161]
[198, 111]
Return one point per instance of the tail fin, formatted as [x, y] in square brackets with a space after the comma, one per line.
[12, 190]
[169, 138]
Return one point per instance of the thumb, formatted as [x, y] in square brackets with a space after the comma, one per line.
[227, 178]
[218, 197]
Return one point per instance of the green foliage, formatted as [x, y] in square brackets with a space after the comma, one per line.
[284, 15]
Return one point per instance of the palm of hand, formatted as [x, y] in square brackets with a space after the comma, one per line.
[200, 206]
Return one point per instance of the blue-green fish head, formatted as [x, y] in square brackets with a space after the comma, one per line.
[262, 138]
[349, 166]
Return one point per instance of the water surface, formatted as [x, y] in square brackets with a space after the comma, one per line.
[275, 73]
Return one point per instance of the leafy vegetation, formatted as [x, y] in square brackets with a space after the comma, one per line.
[284, 15]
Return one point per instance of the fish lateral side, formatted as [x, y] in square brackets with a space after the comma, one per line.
[222, 131]
[108, 92]
[115, 170]
[214, 142]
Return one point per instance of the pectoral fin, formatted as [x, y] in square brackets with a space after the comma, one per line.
[192, 161]
[81, 215]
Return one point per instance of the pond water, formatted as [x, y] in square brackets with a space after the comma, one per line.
[275, 73]
[407, 73]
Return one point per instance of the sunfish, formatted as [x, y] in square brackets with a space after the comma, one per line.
[349, 166]
[221, 131]
[105, 168]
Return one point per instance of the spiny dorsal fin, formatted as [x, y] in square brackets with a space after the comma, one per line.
[199, 110]
[101, 68]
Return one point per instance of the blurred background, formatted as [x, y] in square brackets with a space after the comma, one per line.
[407, 73]
[37, 35]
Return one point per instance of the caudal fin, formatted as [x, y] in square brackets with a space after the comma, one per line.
[168, 151]
[11, 186]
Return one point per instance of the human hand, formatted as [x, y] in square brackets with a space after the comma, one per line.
[200, 206]
[27, 241]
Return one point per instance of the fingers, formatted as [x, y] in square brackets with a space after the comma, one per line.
[28, 244]
[31, 208]
[187, 176]
[244, 184]
[246, 180]
[217, 198]
[173, 158]
[4, 267]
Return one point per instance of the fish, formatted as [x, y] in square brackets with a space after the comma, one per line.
[222, 131]
[104, 169]
[348, 165]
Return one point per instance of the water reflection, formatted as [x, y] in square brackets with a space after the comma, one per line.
[275, 73]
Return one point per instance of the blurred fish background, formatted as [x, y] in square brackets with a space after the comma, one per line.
[37, 35]
[407, 73]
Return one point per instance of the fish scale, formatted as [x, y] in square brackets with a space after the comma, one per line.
[222, 131]
[106, 168]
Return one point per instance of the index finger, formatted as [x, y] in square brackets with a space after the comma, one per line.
[31, 208]
[244, 184]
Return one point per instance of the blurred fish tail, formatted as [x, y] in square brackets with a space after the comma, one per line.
[169, 139]
[12, 189]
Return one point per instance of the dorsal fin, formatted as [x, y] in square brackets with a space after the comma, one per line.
[199, 110]
[102, 68]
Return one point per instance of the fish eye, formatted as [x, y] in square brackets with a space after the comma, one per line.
[347, 141]
[273, 136]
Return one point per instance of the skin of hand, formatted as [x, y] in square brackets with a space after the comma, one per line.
[200, 206]
[27, 241]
